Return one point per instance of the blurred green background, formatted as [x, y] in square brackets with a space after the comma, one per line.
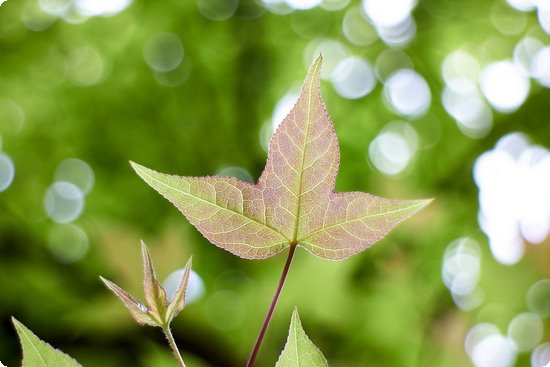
[434, 98]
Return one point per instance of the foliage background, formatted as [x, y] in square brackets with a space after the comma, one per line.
[82, 86]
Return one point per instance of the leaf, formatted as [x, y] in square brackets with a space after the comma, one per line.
[37, 353]
[293, 202]
[299, 351]
[138, 310]
[178, 302]
[155, 296]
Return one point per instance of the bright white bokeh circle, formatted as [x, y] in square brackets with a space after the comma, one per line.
[63, 202]
[388, 13]
[408, 93]
[7, 171]
[195, 286]
[504, 85]
[353, 78]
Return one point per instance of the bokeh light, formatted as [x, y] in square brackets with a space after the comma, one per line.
[85, 66]
[389, 61]
[279, 7]
[460, 66]
[63, 202]
[488, 348]
[103, 8]
[163, 52]
[541, 356]
[408, 93]
[357, 29]
[218, 10]
[72, 11]
[175, 77]
[388, 13]
[513, 181]
[353, 78]
[7, 171]
[77, 172]
[541, 67]
[399, 35]
[303, 4]
[394, 148]
[67, 242]
[525, 330]
[506, 19]
[35, 19]
[461, 272]
[538, 298]
[525, 52]
[504, 85]
[465, 104]
[543, 14]
[195, 286]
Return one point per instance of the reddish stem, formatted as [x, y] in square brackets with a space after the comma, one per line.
[253, 355]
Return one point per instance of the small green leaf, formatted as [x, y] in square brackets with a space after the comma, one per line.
[137, 309]
[155, 296]
[178, 302]
[299, 350]
[37, 353]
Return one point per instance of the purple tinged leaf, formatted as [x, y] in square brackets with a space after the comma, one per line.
[178, 302]
[155, 296]
[137, 309]
[293, 201]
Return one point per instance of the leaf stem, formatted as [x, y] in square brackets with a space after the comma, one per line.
[173, 345]
[255, 350]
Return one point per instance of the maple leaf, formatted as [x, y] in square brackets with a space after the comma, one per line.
[293, 202]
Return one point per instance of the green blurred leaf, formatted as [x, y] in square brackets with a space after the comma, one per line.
[299, 350]
[37, 353]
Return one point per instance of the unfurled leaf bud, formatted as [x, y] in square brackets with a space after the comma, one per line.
[156, 311]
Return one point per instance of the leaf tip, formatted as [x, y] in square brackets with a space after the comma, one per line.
[424, 203]
[16, 323]
[315, 68]
[140, 170]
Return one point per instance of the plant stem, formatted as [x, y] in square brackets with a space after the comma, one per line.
[173, 345]
[252, 358]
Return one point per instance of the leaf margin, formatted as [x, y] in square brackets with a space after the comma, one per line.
[33, 339]
[296, 330]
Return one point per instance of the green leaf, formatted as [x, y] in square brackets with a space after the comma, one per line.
[37, 353]
[155, 296]
[138, 310]
[299, 351]
[178, 302]
[293, 202]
